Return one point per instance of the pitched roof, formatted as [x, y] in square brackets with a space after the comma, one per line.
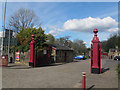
[59, 47]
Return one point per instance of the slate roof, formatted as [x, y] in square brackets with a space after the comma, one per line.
[59, 47]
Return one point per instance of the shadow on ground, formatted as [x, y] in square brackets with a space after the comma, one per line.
[49, 65]
[13, 65]
[19, 66]
[90, 87]
[16, 66]
[104, 69]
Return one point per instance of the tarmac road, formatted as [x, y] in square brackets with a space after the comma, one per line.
[60, 76]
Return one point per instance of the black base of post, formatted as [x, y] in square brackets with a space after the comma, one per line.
[96, 70]
[31, 64]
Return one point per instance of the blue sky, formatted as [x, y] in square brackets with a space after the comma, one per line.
[74, 19]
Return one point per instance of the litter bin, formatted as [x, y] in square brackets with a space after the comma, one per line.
[4, 60]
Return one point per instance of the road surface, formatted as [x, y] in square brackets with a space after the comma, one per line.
[67, 75]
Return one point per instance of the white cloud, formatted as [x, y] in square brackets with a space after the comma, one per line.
[90, 43]
[54, 33]
[84, 42]
[88, 24]
[113, 30]
[55, 30]
[44, 28]
[107, 24]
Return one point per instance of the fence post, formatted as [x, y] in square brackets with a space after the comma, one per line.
[83, 81]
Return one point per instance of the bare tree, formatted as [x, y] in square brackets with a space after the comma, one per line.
[63, 41]
[23, 18]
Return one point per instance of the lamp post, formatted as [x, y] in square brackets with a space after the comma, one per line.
[4, 18]
[8, 45]
[2, 46]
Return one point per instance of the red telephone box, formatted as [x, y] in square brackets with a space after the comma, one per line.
[95, 54]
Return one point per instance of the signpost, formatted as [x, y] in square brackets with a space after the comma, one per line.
[7, 40]
[13, 41]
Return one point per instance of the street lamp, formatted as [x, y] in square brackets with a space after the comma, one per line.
[3, 29]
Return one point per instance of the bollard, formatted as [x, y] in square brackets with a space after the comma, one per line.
[83, 81]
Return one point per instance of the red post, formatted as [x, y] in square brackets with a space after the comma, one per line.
[32, 52]
[91, 57]
[34, 55]
[96, 54]
[100, 56]
[83, 81]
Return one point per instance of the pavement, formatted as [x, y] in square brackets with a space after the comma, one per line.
[60, 75]
[108, 78]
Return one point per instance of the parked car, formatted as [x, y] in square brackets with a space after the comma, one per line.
[116, 57]
[80, 57]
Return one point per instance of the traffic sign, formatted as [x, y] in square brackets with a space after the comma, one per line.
[13, 41]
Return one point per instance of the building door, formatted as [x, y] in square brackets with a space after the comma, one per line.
[65, 57]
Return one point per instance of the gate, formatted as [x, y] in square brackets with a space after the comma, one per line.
[38, 57]
[42, 58]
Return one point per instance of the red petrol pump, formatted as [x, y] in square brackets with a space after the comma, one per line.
[95, 54]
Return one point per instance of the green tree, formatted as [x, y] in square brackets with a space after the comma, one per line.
[104, 46]
[112, 42]
[79, 47]
[118, 41]
[24, 38]
[50, 39]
